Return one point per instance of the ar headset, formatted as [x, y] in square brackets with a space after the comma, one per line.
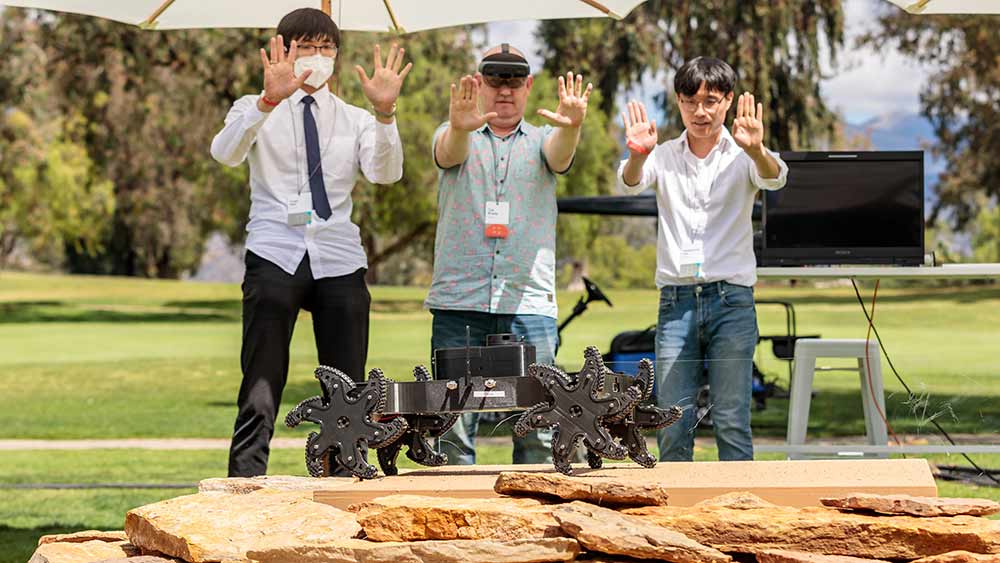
[504, 69]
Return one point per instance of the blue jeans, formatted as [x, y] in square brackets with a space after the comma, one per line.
[448, 331]
[706, 329]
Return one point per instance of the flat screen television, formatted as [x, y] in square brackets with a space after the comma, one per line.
[846, 208]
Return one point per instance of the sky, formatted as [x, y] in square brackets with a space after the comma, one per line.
[865, 84]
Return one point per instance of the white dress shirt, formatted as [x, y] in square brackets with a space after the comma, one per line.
[349, 138]
[704, 203]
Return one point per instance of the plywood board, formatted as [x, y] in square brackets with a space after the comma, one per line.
[789, 483]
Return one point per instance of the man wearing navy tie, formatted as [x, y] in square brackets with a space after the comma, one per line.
[305, 147]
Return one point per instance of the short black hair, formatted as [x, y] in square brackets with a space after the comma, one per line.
[308, 24]
[716, 74]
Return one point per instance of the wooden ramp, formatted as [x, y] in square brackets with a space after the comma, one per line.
[789, 483]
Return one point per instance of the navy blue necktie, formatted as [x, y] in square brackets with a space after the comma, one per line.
[321, 205]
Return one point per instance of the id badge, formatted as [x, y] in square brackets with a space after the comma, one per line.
[299, 210]
[497, 219]
[692, 257]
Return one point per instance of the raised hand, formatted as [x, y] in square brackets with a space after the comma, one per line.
[463, 113]
[572, 103]
[383, 87]
[279, 71]
[748, 127]
[640, 132]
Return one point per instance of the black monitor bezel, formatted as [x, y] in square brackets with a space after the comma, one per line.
[814, 256]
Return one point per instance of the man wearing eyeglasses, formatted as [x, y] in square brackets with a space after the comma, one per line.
[305, 147]
[705, 181]
[494, 254]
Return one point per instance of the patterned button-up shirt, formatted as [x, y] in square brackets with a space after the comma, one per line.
[515, 275]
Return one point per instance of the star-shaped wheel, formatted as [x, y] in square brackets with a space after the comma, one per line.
[350, 422]
[578, 409]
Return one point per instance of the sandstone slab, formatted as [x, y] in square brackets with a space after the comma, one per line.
[400, 518]
[607, 531]
[213, 527]
[960, 557]
[142, 559]
[914, 506]
[783, 556]
[597, 490]
[736, 500]
[82, 552]
[826, 530]
[456, 551]
[244, 485]
[86, 535]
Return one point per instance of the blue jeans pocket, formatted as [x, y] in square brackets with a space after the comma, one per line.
[737, 296]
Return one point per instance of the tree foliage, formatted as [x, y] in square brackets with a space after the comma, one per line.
[961, 98]
[50, 190]
[776, 48]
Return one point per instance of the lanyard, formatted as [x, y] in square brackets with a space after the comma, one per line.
[500, 184]
[300, 139]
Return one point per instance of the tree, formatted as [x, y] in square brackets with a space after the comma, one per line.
[775, 48]
[151, 102]
[50, 191]
[961, 98]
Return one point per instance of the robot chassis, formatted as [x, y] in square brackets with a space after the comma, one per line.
[604, 410]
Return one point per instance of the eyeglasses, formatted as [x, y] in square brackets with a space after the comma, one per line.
[308, 50]
[691, 104]
[498, 82]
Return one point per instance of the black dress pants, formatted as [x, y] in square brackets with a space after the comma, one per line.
[272, 300]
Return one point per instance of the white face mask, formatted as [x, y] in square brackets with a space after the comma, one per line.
[321, 67]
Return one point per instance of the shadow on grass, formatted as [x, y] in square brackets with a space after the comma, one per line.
[28, 312]
[17, 544]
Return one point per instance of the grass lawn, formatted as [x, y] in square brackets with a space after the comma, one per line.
[87, 357]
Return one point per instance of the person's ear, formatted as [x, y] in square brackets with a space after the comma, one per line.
[729, 101]
[528, 83]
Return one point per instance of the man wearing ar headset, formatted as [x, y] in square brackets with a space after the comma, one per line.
[494, 253]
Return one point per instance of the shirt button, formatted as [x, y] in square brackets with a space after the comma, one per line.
[498, 252]
[495, 276]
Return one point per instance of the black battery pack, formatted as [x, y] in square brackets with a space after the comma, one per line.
[505, 355]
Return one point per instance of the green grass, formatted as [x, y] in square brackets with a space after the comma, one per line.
[88, 357]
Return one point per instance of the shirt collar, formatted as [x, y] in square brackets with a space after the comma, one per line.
[725, 142]
[485, 129]
[323, 96]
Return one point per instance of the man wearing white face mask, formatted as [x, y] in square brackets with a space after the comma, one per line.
[305, 147]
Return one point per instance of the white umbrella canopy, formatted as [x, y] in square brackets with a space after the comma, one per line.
[356, 15]
[949, 6]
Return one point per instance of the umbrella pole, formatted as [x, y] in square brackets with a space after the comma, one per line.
[604, 9]
[326, 7]
[151, 20]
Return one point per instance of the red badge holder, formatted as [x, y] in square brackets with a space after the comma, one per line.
[497, 231]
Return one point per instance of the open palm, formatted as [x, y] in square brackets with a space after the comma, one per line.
[382, 89]
[748, 126]
[279, 70]
[573, 99]
[640, 132]
[463, 112]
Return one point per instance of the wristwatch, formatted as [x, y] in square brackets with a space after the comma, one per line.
[384, 115]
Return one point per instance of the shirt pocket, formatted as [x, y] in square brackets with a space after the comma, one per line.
[340, 163]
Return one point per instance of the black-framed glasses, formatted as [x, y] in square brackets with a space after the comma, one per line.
[513, 82]
[309, 49]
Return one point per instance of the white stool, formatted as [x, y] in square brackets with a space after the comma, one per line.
[807, 350]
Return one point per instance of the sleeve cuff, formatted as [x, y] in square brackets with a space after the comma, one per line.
[625, 188]
[769, 183]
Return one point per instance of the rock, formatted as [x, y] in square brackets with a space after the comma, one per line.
[914, 506]
[596, 490]
[825, 530]
[785, 556]
[403, 518]
[142, 559]
[604, 530]
[740, 500]
[87, 535]
[960, 557]
[455, 551]
[244, 485]
[211, 527]
[86, 551]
